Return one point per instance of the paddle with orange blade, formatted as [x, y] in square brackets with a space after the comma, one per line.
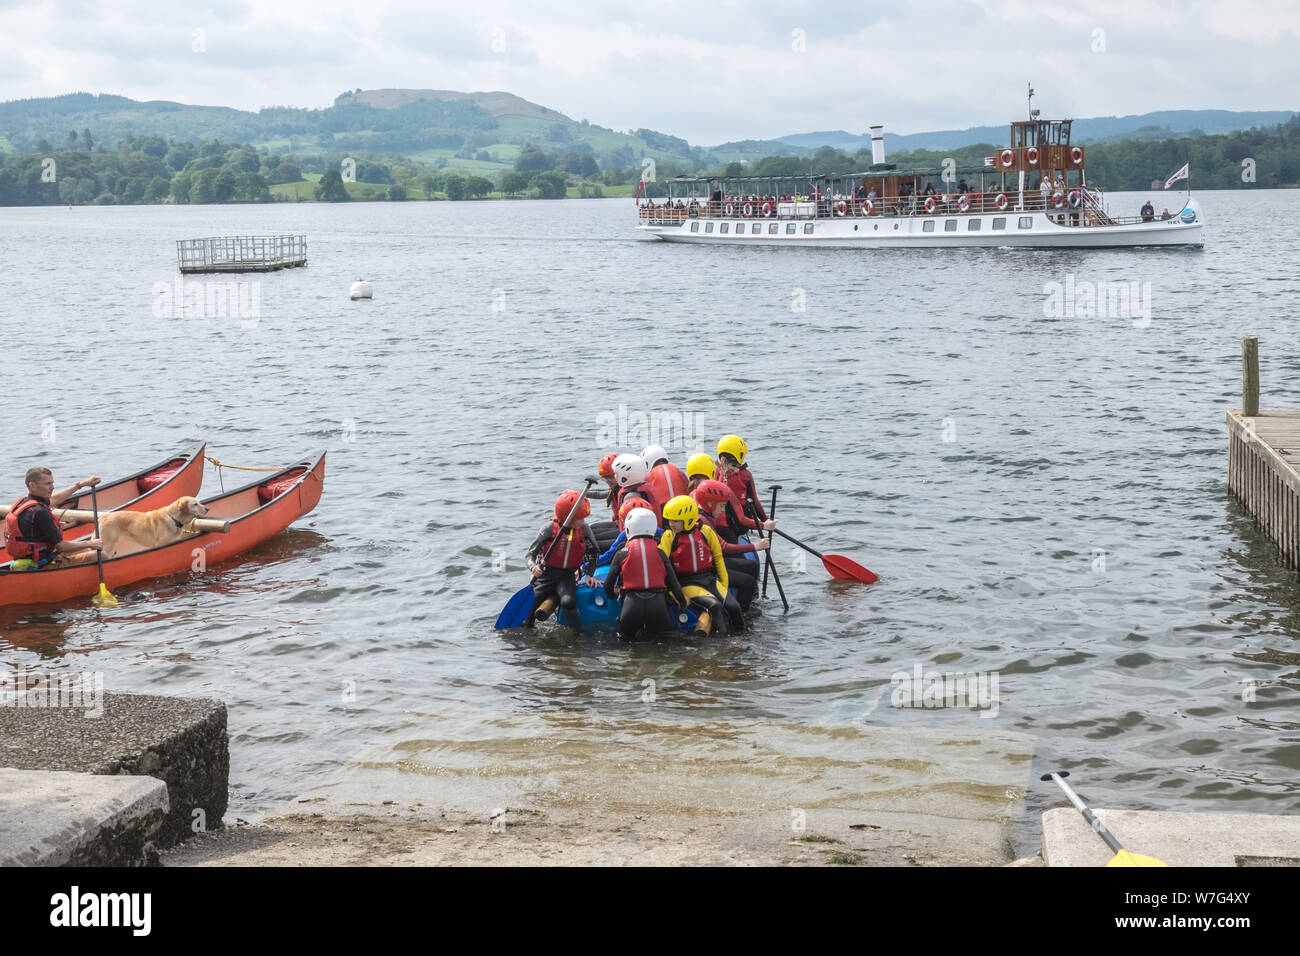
[837, 565]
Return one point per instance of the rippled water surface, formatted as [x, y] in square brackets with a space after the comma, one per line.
[1074, 536]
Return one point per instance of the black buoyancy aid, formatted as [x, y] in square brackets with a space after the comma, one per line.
[569, 551]
[17, 545]
[691, 552]
[643, 566]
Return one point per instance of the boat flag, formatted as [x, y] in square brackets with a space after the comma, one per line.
[640, 187]
[1180, 174]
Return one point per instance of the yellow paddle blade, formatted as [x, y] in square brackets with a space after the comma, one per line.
[1125, 858]
[104, 598]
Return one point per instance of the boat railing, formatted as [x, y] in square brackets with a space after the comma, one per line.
[1063, 201]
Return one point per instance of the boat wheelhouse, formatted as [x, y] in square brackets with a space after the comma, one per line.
[1034, 192]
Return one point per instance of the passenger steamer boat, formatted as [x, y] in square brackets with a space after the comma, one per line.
[1035, 192]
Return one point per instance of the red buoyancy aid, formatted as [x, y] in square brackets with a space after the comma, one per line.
[643, 567]
[15, 544]
[569, 550]
[667, 481]
[739, 481]
[691, 552]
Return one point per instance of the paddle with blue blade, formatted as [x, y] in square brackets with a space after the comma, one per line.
[515, 613]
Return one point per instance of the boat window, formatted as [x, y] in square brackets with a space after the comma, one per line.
[695, 227]
[928, 226]
[1026, 222]
[708, 227]
[973, 225]
[722, 228]
[876, 226]
[807, 230]
[950, 225]
[789, 229]
[1000, 222]
[773, 228]
[758, 227]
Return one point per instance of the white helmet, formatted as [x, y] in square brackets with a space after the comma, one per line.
[630, 470]
[653, 453]
[640, 523]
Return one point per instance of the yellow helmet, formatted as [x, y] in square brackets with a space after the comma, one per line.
[683, 509]
[734, 446]
[700, 464]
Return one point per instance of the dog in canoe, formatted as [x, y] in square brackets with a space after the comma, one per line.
[125, 532]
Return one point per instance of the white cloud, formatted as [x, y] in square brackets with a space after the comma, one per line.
[707, 72]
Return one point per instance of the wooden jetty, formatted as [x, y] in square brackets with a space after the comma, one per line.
[241, 253]
[1264, 460]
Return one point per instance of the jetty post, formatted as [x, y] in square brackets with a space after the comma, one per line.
[1264, 460]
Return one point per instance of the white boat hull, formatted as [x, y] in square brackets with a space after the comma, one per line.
[910, 232]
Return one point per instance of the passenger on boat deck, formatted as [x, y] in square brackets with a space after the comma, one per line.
[1166, 214]
[1148, 211]
[33, 537]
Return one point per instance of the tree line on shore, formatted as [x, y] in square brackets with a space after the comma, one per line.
[150, 169]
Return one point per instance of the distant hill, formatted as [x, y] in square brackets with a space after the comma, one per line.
[1165, 124]
[486, 130]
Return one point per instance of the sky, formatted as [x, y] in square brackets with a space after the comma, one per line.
[709, 72]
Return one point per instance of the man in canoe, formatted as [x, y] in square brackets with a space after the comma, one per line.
[33, 536]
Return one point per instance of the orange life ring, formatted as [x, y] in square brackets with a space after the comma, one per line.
[1001, 201]
[1076, 155]
[749, 210]
[930, 204]
[841, 208]
[1008, 157]
[1031, 155]
[1058, 200]
[729, 209]
[964, 203]
[767, 209]
[1075, 198]
[867, 206]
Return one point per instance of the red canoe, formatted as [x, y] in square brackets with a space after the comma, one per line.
[256, 512]
[154, 487]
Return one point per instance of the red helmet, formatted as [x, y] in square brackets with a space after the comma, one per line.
[606, 467]
[709, 494]
[630, 504]
[564, 504]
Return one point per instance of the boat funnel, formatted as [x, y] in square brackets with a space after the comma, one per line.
[877, 145]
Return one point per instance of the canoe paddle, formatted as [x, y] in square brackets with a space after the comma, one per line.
[837, 565]
[772, 512]
[1122, 856]
[751, 507]
[515, 613]
[105, 597]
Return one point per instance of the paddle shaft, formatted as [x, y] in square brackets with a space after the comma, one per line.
[793, 540]
[768, 563]
[1092, 818]
[753, 494]
[568, 519]
[99, 552]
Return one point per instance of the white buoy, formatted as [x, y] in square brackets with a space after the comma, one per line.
[361, 289]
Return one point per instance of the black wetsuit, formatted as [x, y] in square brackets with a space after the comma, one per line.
[645, 613]
[559, 583]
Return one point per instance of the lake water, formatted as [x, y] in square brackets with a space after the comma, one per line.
[1042, 496]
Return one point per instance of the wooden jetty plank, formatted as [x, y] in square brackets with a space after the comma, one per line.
[1264, 473]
